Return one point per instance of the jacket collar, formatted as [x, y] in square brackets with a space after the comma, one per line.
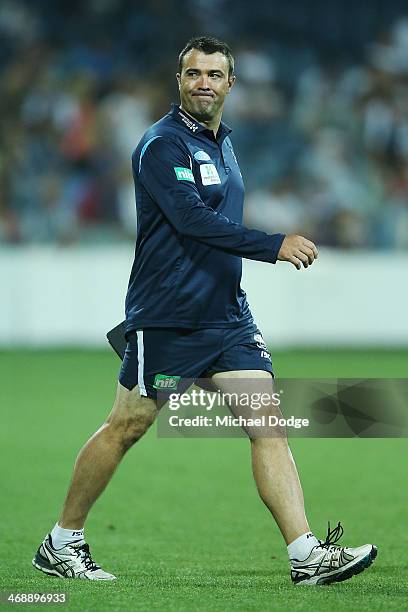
[195, 127]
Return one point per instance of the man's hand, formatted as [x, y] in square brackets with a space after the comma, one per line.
[298, 250]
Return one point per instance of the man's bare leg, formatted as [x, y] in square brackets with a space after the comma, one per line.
[278, 485]
[273, 466]
[64, 552]
[129, 419]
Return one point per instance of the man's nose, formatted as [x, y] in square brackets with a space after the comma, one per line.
[203, 82]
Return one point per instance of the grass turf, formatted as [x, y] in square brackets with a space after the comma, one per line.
[181, 524]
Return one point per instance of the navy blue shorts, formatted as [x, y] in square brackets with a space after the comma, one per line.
[160, 358]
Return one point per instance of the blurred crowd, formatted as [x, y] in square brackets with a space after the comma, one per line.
[320, 122]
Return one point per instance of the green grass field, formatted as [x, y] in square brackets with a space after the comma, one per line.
[181, 524]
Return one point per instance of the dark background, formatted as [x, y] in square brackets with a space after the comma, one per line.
[319, 113]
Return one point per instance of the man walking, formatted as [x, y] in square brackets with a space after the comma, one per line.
[187, 317]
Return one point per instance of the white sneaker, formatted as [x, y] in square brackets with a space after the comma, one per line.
[330, 563]
[73, 561]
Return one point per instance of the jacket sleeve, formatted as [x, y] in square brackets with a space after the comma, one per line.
[164, 170]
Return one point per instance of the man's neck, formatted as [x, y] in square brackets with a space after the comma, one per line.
[212, 125]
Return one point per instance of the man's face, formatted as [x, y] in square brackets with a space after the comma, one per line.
[204, 83]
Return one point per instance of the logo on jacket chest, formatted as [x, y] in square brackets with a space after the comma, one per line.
[202, 156]
[209, 174]
[208, 171]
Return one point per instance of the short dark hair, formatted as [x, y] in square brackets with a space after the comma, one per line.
[208, 45]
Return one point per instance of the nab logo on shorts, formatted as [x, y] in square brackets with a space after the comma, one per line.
[166, 383]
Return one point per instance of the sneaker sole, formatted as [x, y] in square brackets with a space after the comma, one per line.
[41, 564]
[349, 572]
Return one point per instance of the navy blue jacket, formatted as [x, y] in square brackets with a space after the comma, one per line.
[190, 237]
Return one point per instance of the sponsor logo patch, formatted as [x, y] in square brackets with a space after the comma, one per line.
[202, 156]
[184, 174]
[209, 174]
[165, 382]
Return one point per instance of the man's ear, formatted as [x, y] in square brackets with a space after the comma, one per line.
[178, 75]
[231, 81]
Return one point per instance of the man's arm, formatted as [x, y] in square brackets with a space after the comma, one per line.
[181, 203]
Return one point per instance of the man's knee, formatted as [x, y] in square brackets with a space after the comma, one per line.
[132, 415]
[272, 433]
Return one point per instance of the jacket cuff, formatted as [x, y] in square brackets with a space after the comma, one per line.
[276, 240]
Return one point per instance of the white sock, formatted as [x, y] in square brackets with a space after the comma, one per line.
[62, 537]
[301, 548]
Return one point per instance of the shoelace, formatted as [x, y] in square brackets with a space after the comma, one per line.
[333, 536]
[84, 553]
